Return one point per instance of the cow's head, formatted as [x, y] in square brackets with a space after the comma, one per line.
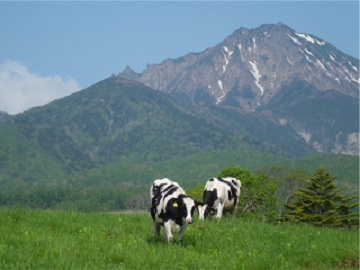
[182, 209]
[206, 211]
[188, 208]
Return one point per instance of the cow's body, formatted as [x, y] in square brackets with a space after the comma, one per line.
[171, 208]
[220, 195]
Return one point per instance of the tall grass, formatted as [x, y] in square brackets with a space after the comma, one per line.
[31, 239]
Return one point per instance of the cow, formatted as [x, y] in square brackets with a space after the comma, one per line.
[220, 195]
[171, 208]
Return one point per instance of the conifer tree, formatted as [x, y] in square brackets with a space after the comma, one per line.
[320, 203]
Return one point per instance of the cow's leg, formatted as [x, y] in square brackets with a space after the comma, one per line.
[219, 210]
[234, 211]
[156, 227]
[182, 231]
[168, 235]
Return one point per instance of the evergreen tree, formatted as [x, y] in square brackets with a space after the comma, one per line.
[319, 203]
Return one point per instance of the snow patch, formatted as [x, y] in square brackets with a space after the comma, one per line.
[305, 135]
[255, 72]
[321, 43]
[353, 139]
[321, 64]
[308, 52]
[222, 90]
[242, 57]
[226, 60]
[294, 40]
[287, 58]
[306, 37]
[283, 121]
[226, 49]
[353, 67]
[349, 75]
[220, 85]
[254, 43]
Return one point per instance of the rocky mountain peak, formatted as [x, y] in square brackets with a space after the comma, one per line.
[273, 70]
[253, 64]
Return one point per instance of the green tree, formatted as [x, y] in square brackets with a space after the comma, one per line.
[320, 203]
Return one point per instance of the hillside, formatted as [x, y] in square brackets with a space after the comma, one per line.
[114, 121]
[118, 120]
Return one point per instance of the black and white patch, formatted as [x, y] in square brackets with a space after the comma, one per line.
[170, 207]
[220, 195]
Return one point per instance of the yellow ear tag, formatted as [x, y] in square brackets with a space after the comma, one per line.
[175, 204]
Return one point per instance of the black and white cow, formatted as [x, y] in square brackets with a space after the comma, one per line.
[220, 195]
[170, 207]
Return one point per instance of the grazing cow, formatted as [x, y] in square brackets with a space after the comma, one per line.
[171, 208]
[220, 195]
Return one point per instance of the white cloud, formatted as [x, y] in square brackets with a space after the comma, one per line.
[21, 89]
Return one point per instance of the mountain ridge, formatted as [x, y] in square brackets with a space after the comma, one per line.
[250, 69]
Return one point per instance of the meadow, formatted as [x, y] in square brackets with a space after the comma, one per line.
[35, 239]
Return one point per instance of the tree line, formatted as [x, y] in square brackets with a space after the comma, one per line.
[273, 195]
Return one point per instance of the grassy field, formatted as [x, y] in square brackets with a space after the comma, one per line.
[31, 239]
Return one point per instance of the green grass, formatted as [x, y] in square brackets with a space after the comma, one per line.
[32, 239]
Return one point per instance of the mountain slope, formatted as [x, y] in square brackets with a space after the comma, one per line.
[252, 69]
[117, 119]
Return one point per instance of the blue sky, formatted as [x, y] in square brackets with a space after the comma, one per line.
[51, 49]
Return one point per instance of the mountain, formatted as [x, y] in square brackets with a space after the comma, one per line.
[288, 78]
[119, 120]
